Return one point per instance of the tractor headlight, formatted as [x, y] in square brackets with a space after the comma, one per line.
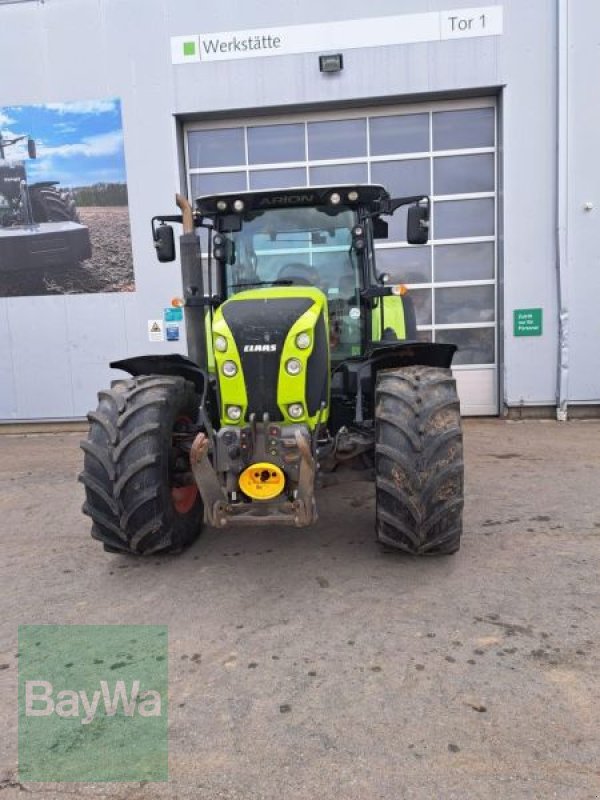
[295, 410]
[221, 205]
[335, 199]
[353, 196]
[221, 344]
[234, 412]
[238, 205]
[293, 366]
[303, 341]
[229, 369]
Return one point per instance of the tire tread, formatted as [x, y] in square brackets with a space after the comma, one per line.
[419, 461]
[125, 466]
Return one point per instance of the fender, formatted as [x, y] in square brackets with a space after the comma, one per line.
[360, 375]
[394, 354]
[168, 364]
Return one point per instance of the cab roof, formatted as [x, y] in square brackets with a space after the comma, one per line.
[344, 195]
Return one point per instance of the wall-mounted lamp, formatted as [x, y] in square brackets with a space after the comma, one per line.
[332, 63]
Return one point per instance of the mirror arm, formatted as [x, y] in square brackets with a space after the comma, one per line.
[396, 202]
[376, 291]
[389, 206]
[163, 218]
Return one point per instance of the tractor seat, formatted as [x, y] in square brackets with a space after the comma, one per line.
[299, 274]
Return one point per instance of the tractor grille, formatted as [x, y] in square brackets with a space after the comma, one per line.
[260, 323]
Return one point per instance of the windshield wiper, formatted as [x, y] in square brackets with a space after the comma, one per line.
[280, 282]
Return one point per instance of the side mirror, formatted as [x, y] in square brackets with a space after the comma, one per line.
[380, 228]
[31, 151]
[417, 225]
[164, 242]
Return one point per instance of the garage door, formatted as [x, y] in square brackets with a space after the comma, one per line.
[446, 150]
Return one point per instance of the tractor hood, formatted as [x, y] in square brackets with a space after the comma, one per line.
[271, 351]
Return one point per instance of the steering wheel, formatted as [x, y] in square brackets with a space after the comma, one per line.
[300, 274]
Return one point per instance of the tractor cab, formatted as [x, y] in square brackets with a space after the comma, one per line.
[319, 237]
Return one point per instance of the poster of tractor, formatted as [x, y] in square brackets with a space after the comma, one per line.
[64, 217]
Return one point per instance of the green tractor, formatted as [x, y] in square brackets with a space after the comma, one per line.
[304, 370]
[39, 223]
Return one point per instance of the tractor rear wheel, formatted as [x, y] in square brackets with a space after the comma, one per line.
[135, 466]
[419, 461]
[52, 205]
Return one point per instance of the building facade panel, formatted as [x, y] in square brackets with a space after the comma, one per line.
[72, 51]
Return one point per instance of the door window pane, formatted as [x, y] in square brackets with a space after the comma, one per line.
[271, 144]
[458, 218]
[464, 262]
[454, 130]
[405, 264]
[464, 304]
[461, 174]
[222, 147]
[216, 182]
[406, 133]
[402, 177]
[475, 345]
[277, 178]
[344, 138]
[338, 173]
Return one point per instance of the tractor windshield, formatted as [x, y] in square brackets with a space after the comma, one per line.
[303, 247]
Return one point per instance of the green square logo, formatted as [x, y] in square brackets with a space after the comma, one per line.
[93, 703]
[189, 48]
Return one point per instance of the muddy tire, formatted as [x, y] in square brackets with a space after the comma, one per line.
[419, 461]
[132, 467]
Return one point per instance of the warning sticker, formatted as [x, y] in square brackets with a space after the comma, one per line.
[172, 333]
[156, 330]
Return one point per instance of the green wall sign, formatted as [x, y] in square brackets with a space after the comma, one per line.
[527, 322]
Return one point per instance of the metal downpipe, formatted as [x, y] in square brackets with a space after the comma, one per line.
[562, 208]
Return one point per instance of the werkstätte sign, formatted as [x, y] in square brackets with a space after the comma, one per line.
[342, 35]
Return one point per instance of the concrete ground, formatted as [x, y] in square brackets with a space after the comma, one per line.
[311, 664]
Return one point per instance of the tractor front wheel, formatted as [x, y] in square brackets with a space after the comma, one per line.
[419, 461]
[136, 466]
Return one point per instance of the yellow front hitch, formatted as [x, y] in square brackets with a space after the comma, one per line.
[262, 481]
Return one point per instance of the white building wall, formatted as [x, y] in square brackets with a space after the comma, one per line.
[54, 350]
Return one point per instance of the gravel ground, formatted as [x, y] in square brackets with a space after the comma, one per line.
[109, 270]
[311, 664]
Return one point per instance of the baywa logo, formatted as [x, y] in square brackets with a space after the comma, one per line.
[260, 348]
[40, 701]
[93, 703]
